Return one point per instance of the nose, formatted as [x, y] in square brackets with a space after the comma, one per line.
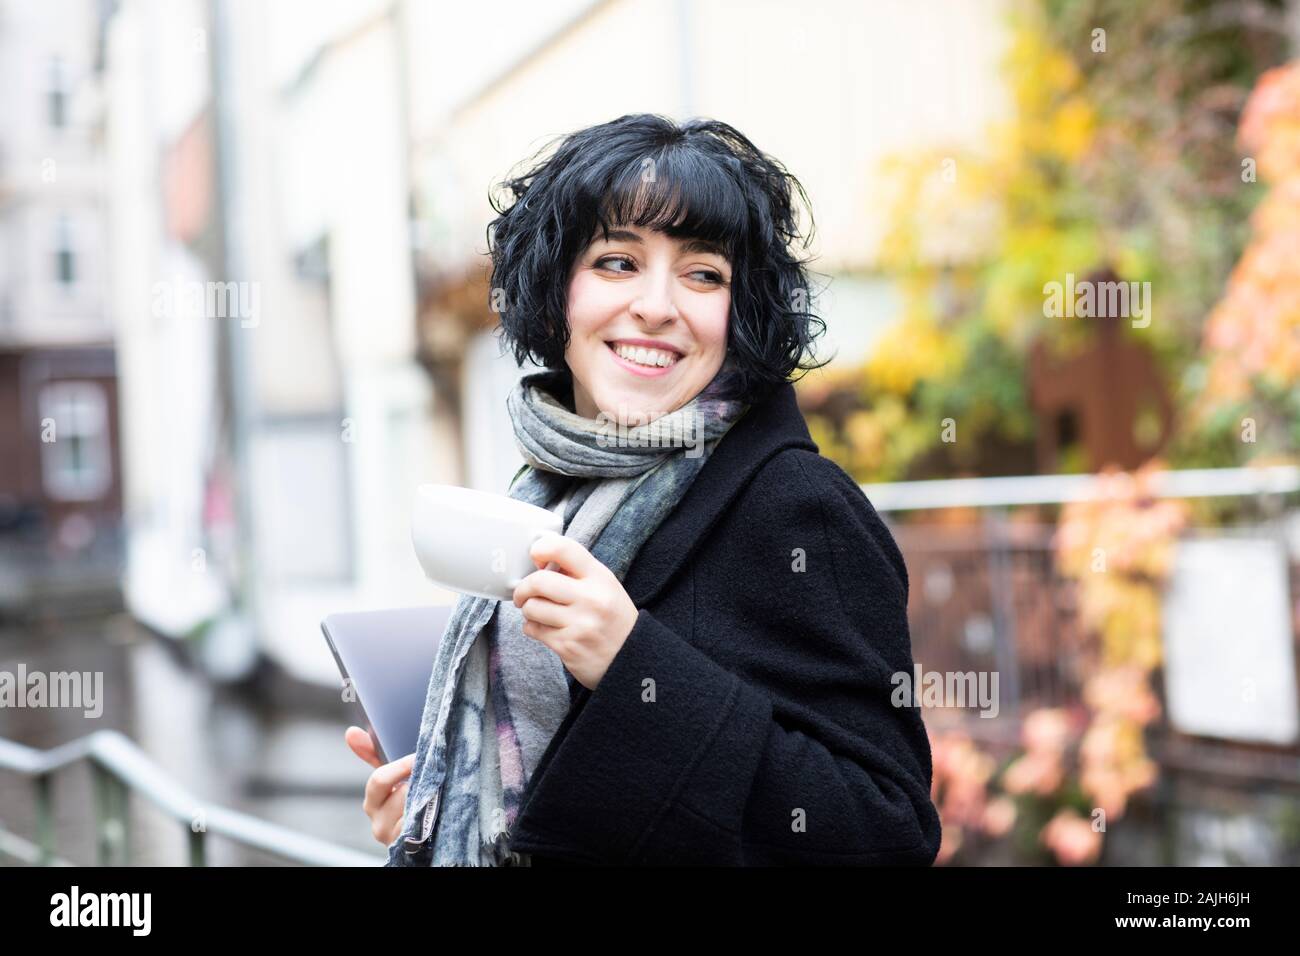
[653, 303]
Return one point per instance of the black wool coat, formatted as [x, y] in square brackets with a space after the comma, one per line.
[747, 718]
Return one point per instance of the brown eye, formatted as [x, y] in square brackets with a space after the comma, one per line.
[600, 263]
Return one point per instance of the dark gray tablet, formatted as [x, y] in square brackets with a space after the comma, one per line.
[388, 657]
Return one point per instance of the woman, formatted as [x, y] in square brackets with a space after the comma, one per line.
[725, 608]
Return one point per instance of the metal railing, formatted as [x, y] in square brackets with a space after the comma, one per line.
[119, 768]
[1058, 489]
[987, 596]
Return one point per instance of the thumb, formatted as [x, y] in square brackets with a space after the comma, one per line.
[362, 745]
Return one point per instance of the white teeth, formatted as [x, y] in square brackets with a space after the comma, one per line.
[643, 356]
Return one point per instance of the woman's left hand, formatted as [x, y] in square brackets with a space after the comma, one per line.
[580, 611]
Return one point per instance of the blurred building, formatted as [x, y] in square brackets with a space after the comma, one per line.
[277, 421]
[60, 493]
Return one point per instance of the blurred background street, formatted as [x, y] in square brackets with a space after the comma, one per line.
[278, 758]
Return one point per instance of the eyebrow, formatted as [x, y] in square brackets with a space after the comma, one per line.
[688, 245]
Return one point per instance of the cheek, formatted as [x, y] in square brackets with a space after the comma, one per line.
[591, 303]
[713, 329]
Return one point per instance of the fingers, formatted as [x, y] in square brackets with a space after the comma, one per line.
[385, 799]
[545, 633]
[539, 610]
[362, 745]
[572, 558]
[386, 824]
[379, 787]
[551, 585]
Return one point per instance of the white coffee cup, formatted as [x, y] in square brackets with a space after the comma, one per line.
[477, 542]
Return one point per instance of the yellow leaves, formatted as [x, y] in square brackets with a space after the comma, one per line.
[819, 383]
[1072, 129]
[1130, 261]
[1043, 73]
[1127, 615]
[867, 436]
[1053, 117]
[823, 435]
[996, 211]
[1112, 754]
[1123, 691]
[869, 433]
[944, 207]
[1118, 545]
[909, 351]
[1063, 131]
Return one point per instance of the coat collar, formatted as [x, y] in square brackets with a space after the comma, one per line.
[769, 426]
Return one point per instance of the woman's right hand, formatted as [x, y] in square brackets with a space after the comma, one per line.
[386, 788]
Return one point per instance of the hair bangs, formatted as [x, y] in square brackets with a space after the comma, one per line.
[679, 196]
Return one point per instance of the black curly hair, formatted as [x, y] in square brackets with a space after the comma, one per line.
[708, 182]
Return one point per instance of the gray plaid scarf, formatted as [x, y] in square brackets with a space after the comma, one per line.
[468, 778]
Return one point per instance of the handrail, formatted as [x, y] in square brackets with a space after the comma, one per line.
[995, 495]
[123, 766]
[1058, 489]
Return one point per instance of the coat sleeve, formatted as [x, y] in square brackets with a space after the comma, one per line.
[791, 753]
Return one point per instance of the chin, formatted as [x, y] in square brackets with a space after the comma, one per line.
[620, 398]
[637, 402]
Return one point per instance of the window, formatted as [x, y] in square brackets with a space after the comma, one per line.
[56, 93]
[75, 459]
[65, 255]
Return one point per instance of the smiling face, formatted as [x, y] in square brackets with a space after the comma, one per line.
[647, 323]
